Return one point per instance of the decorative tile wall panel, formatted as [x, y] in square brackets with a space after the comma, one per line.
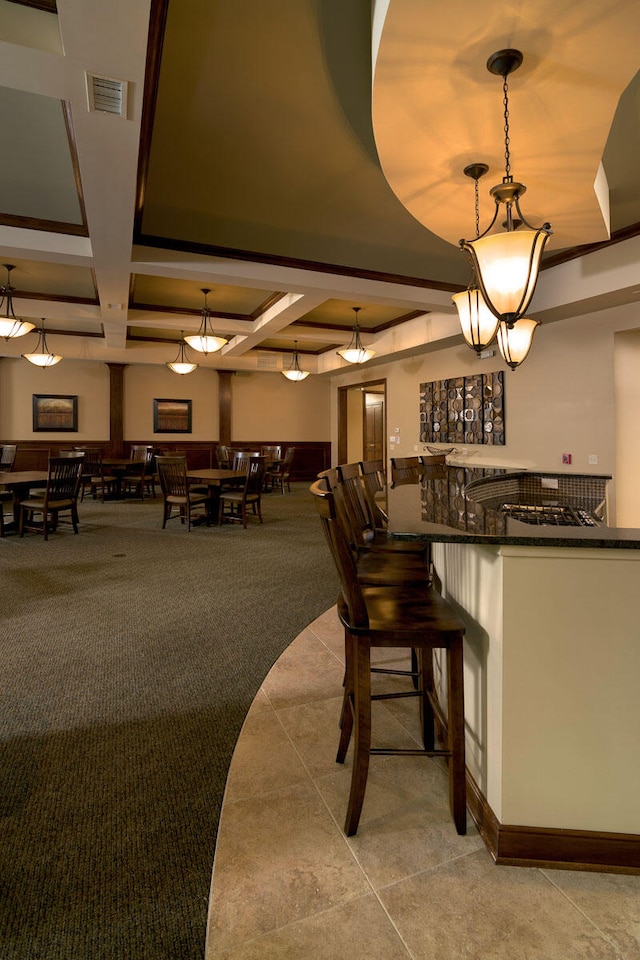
[463, 410]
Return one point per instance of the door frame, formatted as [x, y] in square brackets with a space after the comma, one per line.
[343, 419]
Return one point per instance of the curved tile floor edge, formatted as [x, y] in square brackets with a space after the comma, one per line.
[287, 883]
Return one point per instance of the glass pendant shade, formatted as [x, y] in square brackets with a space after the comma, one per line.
[182, 364]
[295, 372]
[507, 265]
[41, 357]
[478, 324]
[205, 341]
[515, 342]
[10, 325]
[355, 352]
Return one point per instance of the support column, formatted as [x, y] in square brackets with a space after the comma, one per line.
[116, 408]
[224, 405]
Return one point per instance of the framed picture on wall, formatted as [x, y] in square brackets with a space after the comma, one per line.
[172, 416]
[56, 413]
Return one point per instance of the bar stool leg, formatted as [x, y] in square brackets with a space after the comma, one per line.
[362, 723]
[427, 719]
[457, 781]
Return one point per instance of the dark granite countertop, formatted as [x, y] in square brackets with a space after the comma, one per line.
[442, 508]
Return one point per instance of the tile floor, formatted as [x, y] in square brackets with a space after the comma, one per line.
[288, 884]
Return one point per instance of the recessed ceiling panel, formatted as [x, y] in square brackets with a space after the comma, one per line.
[37, 180]
[55, 280]
[187, 295]
[340, 314]
[285, 345]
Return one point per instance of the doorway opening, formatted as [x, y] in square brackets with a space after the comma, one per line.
[362, 422]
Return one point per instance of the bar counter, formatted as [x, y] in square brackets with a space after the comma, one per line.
[552, 660]
[458, 506]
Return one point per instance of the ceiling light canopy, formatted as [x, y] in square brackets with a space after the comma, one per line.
[355, 352]
[182, 364]
[10, 325]
[205, 341]
[507, 263]
[42, 356]
[295, 372]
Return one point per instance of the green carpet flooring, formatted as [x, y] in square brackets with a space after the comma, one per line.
[130, 658]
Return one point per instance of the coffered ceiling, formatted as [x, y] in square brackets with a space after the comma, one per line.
[296, 158]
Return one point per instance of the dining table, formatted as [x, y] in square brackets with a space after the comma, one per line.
[19, 482]
[119, 467]
[215, 478]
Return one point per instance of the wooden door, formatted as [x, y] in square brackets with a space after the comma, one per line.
[373, 420]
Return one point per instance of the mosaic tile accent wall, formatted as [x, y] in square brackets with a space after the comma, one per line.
[463, 410]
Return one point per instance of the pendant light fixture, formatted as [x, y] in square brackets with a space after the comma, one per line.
[515, 342]
[10, 325]
[479, 325]
[182, 364]
[507, 263]
[295, 372]
[355, 352]
[205, 341]
[42, 356]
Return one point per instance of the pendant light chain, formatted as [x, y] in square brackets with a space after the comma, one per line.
[477, 207]
[507, 141]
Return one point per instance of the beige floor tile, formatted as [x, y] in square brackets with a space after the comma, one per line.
[279, 859]
[360, 930]
[313, 728]
[406, 826]
[306, 671]
[263, 759]
[473, 908]
[611, 901]
[261, 702]
[329, 629]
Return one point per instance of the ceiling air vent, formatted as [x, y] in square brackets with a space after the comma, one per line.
[268, 361]
[107, 95]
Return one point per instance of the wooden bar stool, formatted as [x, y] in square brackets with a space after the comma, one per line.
[411, 615]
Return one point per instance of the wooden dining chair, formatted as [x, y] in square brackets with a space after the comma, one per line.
[280, 474]
[60, 496]
[233, 504]
[7, 459]
[404, 615]
[178, 494]
[93, 477]
[8, 453]
[223, 457]
[139, 478]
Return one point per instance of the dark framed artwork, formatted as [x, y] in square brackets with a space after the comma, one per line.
[56, 413]
[463, 410]
[172, 416]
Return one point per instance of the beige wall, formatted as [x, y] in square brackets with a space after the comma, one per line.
[627, 396]
[267, 406]
[143, 383]
[19, 380]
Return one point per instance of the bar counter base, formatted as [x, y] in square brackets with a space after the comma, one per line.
[520, 846]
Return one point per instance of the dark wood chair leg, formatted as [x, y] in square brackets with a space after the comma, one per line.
[427, 718]
[362, 732]
[346, 714]
[457, 781]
